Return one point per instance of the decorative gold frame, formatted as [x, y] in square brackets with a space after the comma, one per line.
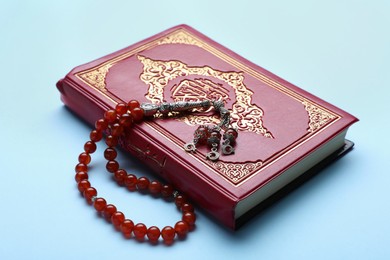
[234, 173]
[245, 116]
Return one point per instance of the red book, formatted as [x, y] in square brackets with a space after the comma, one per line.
[284, 132]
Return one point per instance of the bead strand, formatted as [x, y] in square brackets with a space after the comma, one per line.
[114, 123]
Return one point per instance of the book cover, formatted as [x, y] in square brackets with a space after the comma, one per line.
[283, 130]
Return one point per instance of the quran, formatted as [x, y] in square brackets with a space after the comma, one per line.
[285, 134]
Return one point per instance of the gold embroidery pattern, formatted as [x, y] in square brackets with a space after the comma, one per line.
[193, 90]
[245, 116]
[97, 77]
[180, 38]
[240, 172]
[317, 117]
[236, 172]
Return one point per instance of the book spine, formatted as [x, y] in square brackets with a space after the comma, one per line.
[156, 155]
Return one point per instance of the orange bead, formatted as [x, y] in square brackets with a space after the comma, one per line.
[180, 200]
[202, 133]
[168, 234]
[121, 108]
[153, 234]
[130, 181]
[182, 228]
[111, 141]
[133, 104]
[138, 114]
[117, 219]
[186, 207]
[90, 147]
[139, 231]
[127, 227]
[96, 135]
[81, 167]
[81, 176]
[143, 183]
[83, 185]
[116, 129]
[101, 125]
[155, 187]
[189, 217]
[84, 158]
[119, 176]
[126, 120]
[112, 166]
[110, 116]
[108, 211]
[89, 193]
[99, 204]
[167, 190]
[110, 154]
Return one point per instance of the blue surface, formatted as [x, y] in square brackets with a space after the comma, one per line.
[338, 50]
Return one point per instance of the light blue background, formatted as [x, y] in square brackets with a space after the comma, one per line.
[338, 50]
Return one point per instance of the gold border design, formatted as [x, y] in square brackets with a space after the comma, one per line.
[181, 37]
[97, 77]
[235, 172]
[317, 116]
[321, 117]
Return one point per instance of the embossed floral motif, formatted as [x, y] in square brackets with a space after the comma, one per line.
[157, 74]
[244, 115]
[180, 38]
[97, 77]
[318, 117]
[197, 89]
[236, 172]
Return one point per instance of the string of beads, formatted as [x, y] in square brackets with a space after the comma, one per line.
[115, 122]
